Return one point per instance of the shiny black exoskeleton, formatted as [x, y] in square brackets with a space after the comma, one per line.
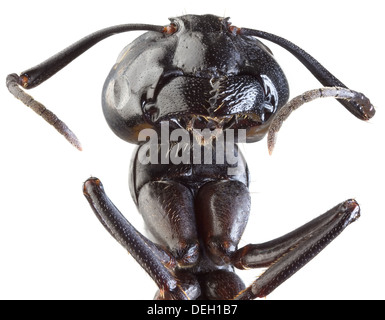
[187, 93]
[202, 71]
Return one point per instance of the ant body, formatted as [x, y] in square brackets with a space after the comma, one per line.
[187, 94]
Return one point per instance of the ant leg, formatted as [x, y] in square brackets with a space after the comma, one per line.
[222, 211]
[167, 208]
[156, 261]
[286, 255]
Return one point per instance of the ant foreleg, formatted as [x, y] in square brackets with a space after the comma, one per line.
[157, 262]
[222, 209]
[287, 254]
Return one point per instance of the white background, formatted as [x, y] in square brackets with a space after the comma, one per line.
[51, 244]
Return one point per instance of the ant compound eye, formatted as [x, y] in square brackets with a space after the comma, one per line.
[170, 29]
